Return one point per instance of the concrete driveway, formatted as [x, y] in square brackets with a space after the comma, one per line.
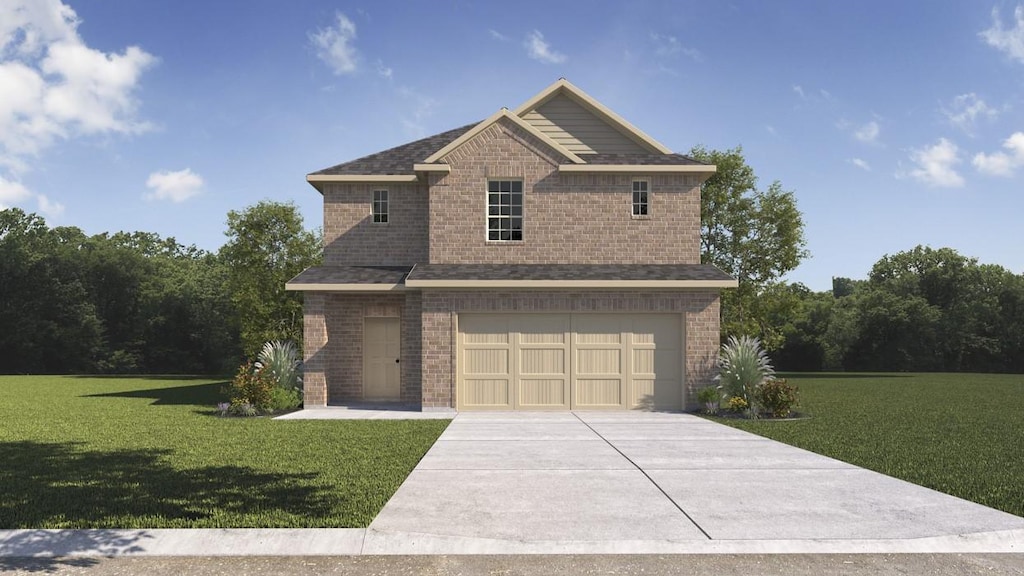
[593, 482]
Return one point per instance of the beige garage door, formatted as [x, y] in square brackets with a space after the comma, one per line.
[569, 361]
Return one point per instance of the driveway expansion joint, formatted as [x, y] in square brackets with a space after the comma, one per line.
[646, 475]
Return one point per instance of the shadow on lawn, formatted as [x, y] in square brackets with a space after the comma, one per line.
[195, 394]
[59, 484]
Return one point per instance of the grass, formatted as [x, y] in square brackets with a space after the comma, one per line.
[962, 434]
[150, 452]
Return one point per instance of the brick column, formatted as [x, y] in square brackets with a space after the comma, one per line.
[703, 330]
[314, 331]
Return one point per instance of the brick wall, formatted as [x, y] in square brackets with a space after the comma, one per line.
[333, 341]
[701, 310]
[352, 238]
[314, 339]
[568, 218]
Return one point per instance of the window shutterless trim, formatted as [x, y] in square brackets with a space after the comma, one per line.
[504, 213]
[379, 207]
[641, 197]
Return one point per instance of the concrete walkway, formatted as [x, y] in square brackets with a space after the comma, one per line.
[603, 483]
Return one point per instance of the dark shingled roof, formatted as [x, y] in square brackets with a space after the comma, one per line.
[648, 159]
[398, 160]
[567, 272]
[352, 275]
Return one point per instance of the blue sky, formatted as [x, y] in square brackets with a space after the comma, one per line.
[895, 123]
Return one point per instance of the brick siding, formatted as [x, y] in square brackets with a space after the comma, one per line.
[352, 238]
[568, 218]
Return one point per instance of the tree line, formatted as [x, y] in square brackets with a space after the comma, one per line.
[139, 303]
[133, 302]
[921, 310]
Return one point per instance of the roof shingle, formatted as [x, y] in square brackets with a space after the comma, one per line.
[400, 159]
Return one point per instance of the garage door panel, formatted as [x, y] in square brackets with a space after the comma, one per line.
[541, 361]
[599, 361]
[598, 392]
[541, 329]
[489, 329]
[486, 361]
[486, 392]
[643, 362]
[542, 393]
[661, 331]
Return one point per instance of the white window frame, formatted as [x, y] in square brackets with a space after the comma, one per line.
[640, 200]
[504, 212]
[380, 205]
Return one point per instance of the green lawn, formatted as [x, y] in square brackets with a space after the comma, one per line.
[150, 452]
[962, 434]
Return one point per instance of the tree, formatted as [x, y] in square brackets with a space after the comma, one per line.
[267, 246]
[757, 236]
[47, 321]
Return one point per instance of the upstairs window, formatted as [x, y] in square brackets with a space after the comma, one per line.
[380, 206]
[505, 210]
[640, 191]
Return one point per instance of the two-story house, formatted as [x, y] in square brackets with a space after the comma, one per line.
[546, 258]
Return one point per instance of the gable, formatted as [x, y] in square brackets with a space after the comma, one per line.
[577, 129]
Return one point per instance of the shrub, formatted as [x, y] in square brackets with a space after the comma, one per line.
[281, 359]
[251, 386]
[743, 365]
[777, 397]
[282, 399]
[710, 398]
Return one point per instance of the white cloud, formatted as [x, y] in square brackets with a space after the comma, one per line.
[174, 186]
[1009, 41]
[384, 71]
[422, 109]
[867, 133]
[334, 45]
[497, 35]
[965, 110]
[49, 209]
[859, 163]
[1000, 163]
[935, 164]
[799, 91]
[12, 192]
[53, 85]
[538, 49]
[668, 46]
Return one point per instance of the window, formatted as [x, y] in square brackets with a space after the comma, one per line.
[380, 206]
[505, 210]
[640, 190]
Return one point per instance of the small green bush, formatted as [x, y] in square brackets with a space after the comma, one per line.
[777, 397]
[710, 397]
[282, 399]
